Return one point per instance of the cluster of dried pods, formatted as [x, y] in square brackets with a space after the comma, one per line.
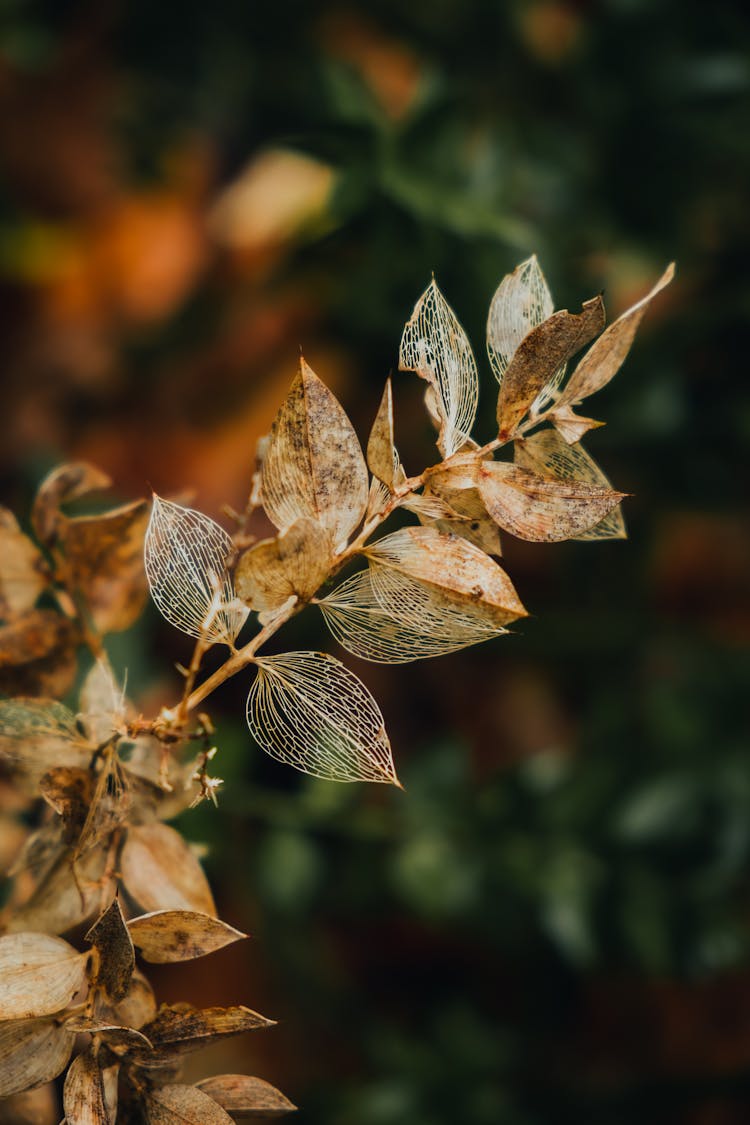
[110, 778]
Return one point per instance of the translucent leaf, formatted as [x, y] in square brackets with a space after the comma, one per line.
[548, 454]
[184, 1105]
[313, 464]
[295, 563]
[186, 555]
[470, 520]
[382, 457]
[38, 734]
[431, 572]
[307, 710]
[362, 624]
[161, 872]
[434, 345]
[180, 935]
[604, 359]
[542, 509]
[572, 426]
[540, 355]
[244, 1096]
[39, 975]
[32, 1052]
[83, 1094]
[103, 704]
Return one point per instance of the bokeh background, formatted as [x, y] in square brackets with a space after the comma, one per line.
[552, 924]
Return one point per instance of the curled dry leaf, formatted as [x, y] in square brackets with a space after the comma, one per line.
[183, 1105]
[295, 563]
[382, 457]
[39, 975]
[308, 710]
[160, 872]
[180, 935]
[548, 454]
[32, 1052]
[605, 358]
[434, 345]
[540, 355]
[186, 555]
[83, 1093]
[244, 1096]
[116, 957]
[446, 577]
[180, 1029]
[542, 509]
[571, 426]
[118, 1037]
[313, 465]
[63, 485]
[22, 568]
[37, 654]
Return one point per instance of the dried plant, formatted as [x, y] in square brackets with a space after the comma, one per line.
[100, 782]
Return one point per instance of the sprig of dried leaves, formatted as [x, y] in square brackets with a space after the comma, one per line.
[102, 780]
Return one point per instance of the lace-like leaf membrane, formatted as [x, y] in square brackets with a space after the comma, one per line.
[308, 710]
[548, 454]
[435, 346]
[185, 558]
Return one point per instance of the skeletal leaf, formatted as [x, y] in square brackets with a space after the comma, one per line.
[160, 871]
[64, 484]
[382, 457]
[39, 975]
[110, 937]
[434, 345]
[455, 579]
[186, 554]
[183, 1105]
[604, 359]
[295, 563]
[83, 1093]
[313, 464]
[522, 301]
[32, 1052]
[102, 702]
[22, 577]
[66, 895]
[180, 1029]
[247, 1097]
[180, 935]
[307, 710]
[37, 654]
[572, 426]
[540, 355]
[362, 623]
[542, 509]
[548, 454]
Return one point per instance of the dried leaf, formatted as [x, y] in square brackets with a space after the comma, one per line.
[160, 871]
[39, 975]
[457, 487]
[243, 1096]
[186, 554]
[31, 1107]
[382, 457]
[308, 710]
[102, 702]
[604, 359]
[548, 454]
[541, 509]
[313, 464]
[572, 426]
[139, 1005]
[540, 355]
[455, 579]
[522, 301]
[118, 1037]
[179, 1029]
[65, 896]
[68, 790]
[104, 556]
[39, 734]
[83, 1093]
[32, 1052]
[64, 484]
[110, 804]
[434, 345]
[37, 654]
[295, 563]
[183, 1105]
[111, 938]
[180, 935]
[22, 576]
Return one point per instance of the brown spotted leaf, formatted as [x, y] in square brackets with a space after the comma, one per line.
[244, 1096]
[110, 937]
[39, 975]
[313, 464]
[63, 485]
[605, 358]
[180, 935]
[540, 355]
[160, 872]
[183, 1105]
[295, 563]
[83, 1093]
[118, 1037]
[22, 568]
[470, 520]
[32, 1052]
[180, 1029]
[382, 457]
[37, 654]
[542, 509]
